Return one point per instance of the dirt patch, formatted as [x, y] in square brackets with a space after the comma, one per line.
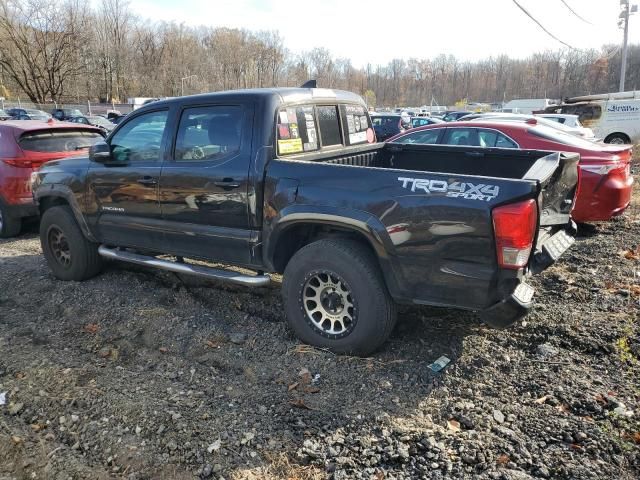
[141, 374]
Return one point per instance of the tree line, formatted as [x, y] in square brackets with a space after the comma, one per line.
[67, 51]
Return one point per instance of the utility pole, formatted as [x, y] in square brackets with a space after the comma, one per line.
[623, 22]
[182, 83]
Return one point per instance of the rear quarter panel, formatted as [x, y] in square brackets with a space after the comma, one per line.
[434, 247]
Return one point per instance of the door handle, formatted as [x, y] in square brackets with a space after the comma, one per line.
[147, 181]
[227, 183]
[474, 154]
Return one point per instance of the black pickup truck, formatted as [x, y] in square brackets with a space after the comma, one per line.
[292, 181]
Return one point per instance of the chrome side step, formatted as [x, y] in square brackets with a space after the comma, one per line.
[197, 270]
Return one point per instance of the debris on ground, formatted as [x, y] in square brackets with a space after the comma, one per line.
[133, 375]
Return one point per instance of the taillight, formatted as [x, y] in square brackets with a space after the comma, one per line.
[24, 162]
[514, 226]
[20, 162]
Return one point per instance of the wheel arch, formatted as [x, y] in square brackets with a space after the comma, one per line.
[297, 227]
[60, 195]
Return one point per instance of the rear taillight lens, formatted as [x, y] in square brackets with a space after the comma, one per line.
[515, 227]
[21, 163]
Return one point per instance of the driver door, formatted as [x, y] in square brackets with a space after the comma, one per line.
[124, 192]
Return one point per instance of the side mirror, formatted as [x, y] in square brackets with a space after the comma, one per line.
[100, 153]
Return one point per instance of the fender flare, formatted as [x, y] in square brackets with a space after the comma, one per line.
[353, 220]
[64, 192]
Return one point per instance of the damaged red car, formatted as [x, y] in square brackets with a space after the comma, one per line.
[605, 170]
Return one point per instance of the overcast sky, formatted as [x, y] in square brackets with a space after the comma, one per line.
[376, 31]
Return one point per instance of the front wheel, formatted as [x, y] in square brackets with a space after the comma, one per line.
[335, 297]
[69, 254]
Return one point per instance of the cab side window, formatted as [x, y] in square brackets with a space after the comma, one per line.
[356, 124]
[209, 133]
[140, 139]
[297, 130]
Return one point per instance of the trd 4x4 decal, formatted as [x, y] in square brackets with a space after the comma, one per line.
[465, 190]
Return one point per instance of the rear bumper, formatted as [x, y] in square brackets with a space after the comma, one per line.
[602, 197]
[22, 211]
[519, 300]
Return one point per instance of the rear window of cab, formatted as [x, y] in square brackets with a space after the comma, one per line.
[309, 128]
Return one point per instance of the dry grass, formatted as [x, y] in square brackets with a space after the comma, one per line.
[279, 468]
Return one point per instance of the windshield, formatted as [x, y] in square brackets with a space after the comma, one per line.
[555, 135]
[100, 121]
[380, 121]
[74, 113]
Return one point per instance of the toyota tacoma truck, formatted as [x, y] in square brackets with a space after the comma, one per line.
[292, 181]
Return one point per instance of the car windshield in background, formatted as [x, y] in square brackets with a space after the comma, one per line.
[381, 121]
[58, 140]
[556, 135]
[103, 122]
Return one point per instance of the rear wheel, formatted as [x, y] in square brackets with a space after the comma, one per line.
[617, 139]
[9, 226]
[69, 254]
[335, 297]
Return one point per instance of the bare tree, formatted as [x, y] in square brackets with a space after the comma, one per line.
[39, 45]
[57, 50]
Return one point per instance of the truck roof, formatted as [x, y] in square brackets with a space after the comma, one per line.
[280, 94]
[631, 95]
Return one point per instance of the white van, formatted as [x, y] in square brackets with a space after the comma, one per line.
[527, 105]
[614, 117]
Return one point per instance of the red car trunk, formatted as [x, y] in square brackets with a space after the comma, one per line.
[605, 170]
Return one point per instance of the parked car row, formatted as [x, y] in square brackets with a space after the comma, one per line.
[73, 115]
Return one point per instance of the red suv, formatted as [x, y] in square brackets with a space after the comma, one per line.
[24, 146]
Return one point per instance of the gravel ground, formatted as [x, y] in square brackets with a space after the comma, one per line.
[141, 374]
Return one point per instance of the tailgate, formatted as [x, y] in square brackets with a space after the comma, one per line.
[557, 177]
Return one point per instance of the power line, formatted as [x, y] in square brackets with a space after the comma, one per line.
[542, 26]
[575, 13]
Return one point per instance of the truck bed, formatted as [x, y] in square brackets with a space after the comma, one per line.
[430, 207]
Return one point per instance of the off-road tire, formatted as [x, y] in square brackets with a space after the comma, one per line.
[9, 226]
[375, 311]
[85, 262]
